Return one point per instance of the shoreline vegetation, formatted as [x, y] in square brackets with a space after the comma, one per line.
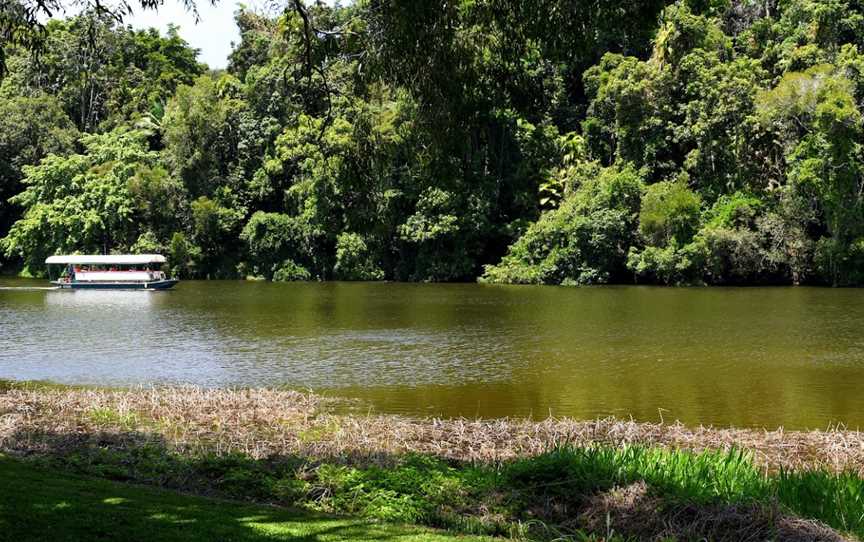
[556, 479]
[670, 142]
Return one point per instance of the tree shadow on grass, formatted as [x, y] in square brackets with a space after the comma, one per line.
[39, 503]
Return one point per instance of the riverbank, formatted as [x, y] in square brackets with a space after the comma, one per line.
[499, 477]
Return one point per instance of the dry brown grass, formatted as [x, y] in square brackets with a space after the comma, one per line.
[636, 513]
[265, 422]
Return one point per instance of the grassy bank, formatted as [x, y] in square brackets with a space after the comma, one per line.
[558, 478]
[40, 505]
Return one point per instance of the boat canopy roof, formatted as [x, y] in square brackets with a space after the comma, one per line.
[101, 259]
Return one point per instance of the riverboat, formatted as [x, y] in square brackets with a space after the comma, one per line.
[111, 272]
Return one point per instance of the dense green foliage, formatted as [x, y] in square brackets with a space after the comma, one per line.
[543, 141]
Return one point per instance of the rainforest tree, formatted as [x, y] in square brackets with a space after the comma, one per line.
[545, 142]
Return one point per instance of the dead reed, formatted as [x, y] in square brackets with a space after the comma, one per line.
[267, 422]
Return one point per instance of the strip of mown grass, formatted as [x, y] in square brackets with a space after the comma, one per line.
[36, 504]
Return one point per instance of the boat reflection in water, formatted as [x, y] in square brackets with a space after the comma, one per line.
[99, 299]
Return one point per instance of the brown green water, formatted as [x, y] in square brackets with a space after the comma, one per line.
[743, 356]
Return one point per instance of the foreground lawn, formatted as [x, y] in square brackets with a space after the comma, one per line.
[45, 505]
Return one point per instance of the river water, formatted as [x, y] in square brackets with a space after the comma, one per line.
[758, 357]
